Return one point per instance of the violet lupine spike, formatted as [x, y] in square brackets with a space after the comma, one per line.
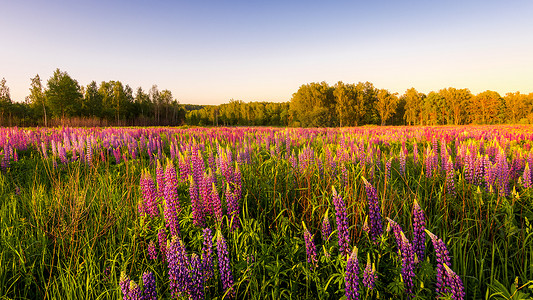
[149, 292]
[134, 292]
[224, 266]
[342, 223]
[374, 211]
[310, 248]
[162, 239]
[388, 168]
[408, 265]
[207, 254]
[124, 285]
[397, 230]
[233, 208]
[443, 257]
[326, 228]
[369, 274]
[419, 237]
[172, 205]
[454, 284]
[196, 284]
[217, 205]
[351, 278]
[149, 195]
[178, 267]
[204, 192]
[152, 252]
[197, 207]
[160, 179]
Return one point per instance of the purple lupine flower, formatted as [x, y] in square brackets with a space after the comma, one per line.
[454, 285]
[134, 292]
[450, 175]
[196, 286]
[149, 195]
[178, 267]
[124, 285]
[224, 266]
[388, 168]
[419, 225]
[233, 208]
[162, 238]
[397, 230]
[443, 257]
[369, 274]
[152, 252]
[374, 211]
[342, 223]
[197, 206]
[149, 292]
[408, 265]
[172, 205]
[526, 177]
[351, 278]
[310, 248]
[217, 205]
[326, 228]
[160, 178]
[207, 254]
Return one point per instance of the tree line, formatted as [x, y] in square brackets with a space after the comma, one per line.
[64, 102]
[348, 104]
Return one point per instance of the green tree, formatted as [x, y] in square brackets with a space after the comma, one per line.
[63, 94]
[364, 107]
[313, 105]
[487, 108]
[518, 106]
[37, 98]
[386, 105]
[92, 100]
[345, 98]
[5, 100]
[455, 103]
[413, 102]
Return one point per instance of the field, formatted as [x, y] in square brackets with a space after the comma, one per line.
[266, 213]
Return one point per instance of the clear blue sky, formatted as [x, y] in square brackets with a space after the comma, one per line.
[208, 52]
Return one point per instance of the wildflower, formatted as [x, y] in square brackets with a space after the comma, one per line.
[408, 263]
[124, 285]
[419, 225]
[374, 211]
[172, 205]
[134, 292]
[369, 274]
[342, 223]
[224, 265]
[207, 254]
[149, 292]
[326, 228]
[454, 285]
[351, 278]
[196, 205]
[178, 270]
[152, 252]
[443, 258]
[526, 177]
[310, 248]
[196, 285]
[149, 196]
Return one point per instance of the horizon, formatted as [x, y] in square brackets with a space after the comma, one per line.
[254, 51]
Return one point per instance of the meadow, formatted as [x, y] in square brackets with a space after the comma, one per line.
[266, 213]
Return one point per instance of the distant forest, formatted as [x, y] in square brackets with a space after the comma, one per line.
[62, 101]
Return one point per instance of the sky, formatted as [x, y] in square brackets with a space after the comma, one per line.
[208, 52]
